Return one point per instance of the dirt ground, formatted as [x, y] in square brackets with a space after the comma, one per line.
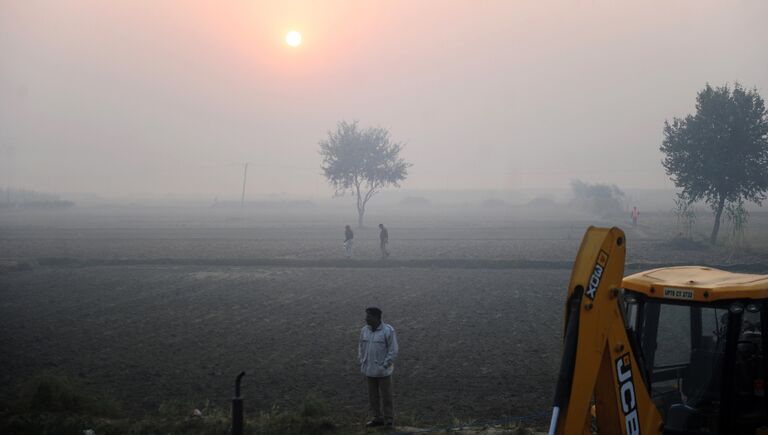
[156, 307]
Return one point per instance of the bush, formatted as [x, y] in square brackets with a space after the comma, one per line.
[598, 199]
[59, 394]
[50, 404]
[44, 424]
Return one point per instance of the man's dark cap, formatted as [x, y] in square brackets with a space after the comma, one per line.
[373, 311]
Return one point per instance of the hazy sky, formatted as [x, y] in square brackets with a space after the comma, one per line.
[156, 97]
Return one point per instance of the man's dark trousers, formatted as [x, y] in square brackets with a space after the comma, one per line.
[380, 397]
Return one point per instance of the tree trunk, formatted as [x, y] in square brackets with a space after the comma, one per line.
[718, 214]
[360, 207]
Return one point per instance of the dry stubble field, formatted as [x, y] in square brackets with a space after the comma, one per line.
[169, 305]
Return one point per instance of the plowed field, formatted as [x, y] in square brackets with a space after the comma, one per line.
[152, 309]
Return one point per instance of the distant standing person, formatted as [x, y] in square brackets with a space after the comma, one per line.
[348, 241]
[635, 215]
[384, 238]
[376, 352]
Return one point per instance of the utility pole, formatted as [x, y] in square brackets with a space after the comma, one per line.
[245, 174]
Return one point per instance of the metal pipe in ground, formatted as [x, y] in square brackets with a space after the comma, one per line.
[237, 408]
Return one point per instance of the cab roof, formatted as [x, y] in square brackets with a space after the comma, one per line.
[697, 283]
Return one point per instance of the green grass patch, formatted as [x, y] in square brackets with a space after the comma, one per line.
[51, 404]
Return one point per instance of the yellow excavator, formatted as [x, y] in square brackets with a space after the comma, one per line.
[675, 350]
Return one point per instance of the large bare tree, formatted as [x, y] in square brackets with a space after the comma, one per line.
[362, 162]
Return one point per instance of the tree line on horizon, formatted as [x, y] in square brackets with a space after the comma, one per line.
[18, 197]
[718, 155]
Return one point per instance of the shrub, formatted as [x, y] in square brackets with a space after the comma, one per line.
[59, 394]
[598, 199]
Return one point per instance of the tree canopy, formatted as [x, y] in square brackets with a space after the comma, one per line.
[720, 153]
[361, 161]
[600, 199]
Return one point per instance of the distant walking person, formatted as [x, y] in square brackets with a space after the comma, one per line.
[376, 352]
[635, 215]
[348, 241]
[384, 238]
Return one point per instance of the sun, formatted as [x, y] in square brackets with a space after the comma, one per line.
[293, 38]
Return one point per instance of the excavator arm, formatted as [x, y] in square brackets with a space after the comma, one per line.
[599, 366]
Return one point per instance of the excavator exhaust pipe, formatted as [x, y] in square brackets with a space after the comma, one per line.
[237, 408]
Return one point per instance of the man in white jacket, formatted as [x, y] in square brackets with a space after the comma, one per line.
[376, 352]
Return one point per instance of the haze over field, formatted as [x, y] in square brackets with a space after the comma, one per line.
[141, 271]
[148, 98]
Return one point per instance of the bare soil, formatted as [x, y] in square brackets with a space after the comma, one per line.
[156, 309]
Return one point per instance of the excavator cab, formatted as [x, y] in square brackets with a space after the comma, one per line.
[698, 334]
[674, 350]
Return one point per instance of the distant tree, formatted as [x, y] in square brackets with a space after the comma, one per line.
[686, 216]
[361, 161]
[541, 201]
[737, 215]
[600, 199]
[720, 154]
